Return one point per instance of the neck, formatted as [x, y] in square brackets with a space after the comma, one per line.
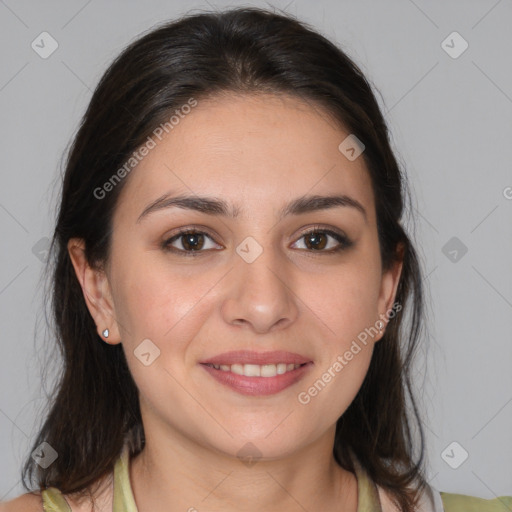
[174, 474]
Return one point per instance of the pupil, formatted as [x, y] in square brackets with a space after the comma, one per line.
[191, 241]
[315, 239]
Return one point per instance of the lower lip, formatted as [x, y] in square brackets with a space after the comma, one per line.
[258, 386]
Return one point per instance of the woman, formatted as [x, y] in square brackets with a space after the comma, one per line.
[230, 279]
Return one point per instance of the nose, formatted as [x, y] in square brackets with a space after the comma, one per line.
[260, 296]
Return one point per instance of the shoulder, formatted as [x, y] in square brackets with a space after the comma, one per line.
[29, 502]
[434, 501]
[52, 500]
[465, 503]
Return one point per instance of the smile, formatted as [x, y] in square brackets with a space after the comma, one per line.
[256, 370]
[257, 380]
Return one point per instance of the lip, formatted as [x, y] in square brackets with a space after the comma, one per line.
[252, 357]
[258, 386]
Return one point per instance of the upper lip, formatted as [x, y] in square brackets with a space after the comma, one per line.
[260, 358]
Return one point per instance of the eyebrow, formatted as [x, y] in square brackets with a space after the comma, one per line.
[217, 206]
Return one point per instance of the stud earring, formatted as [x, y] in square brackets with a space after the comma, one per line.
[105, 333]
[380, 323]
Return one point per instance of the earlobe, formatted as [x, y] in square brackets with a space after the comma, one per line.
[389, 285]
[96, 291]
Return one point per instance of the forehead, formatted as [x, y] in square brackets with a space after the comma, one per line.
[257, 152]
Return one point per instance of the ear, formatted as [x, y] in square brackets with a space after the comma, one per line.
[388, 287]
[96, 290]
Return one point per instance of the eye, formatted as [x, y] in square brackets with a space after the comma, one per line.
[192, 242]
[316, 240]
[189, 241]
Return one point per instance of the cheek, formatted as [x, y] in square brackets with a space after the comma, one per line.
[346, 300]
[153, 300]
[165, 308]
[336, 382]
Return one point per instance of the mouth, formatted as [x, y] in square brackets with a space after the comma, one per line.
[251, 357]
[255, 370]
[257, 378]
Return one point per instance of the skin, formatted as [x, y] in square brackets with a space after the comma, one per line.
[257, 153]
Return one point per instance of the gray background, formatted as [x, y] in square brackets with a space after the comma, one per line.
[450, 119]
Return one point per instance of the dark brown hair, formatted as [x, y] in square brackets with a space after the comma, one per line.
[94, 408]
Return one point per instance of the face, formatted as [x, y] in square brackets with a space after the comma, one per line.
[265, 276]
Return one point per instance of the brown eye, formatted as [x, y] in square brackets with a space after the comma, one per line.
[188, 242]
[318, 239]
[192, 241]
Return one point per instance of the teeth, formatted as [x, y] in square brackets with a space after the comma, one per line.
[256, 370]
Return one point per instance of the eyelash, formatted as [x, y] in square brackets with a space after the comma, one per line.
[343, 240]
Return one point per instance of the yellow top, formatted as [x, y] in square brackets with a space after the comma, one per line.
[367, 492]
